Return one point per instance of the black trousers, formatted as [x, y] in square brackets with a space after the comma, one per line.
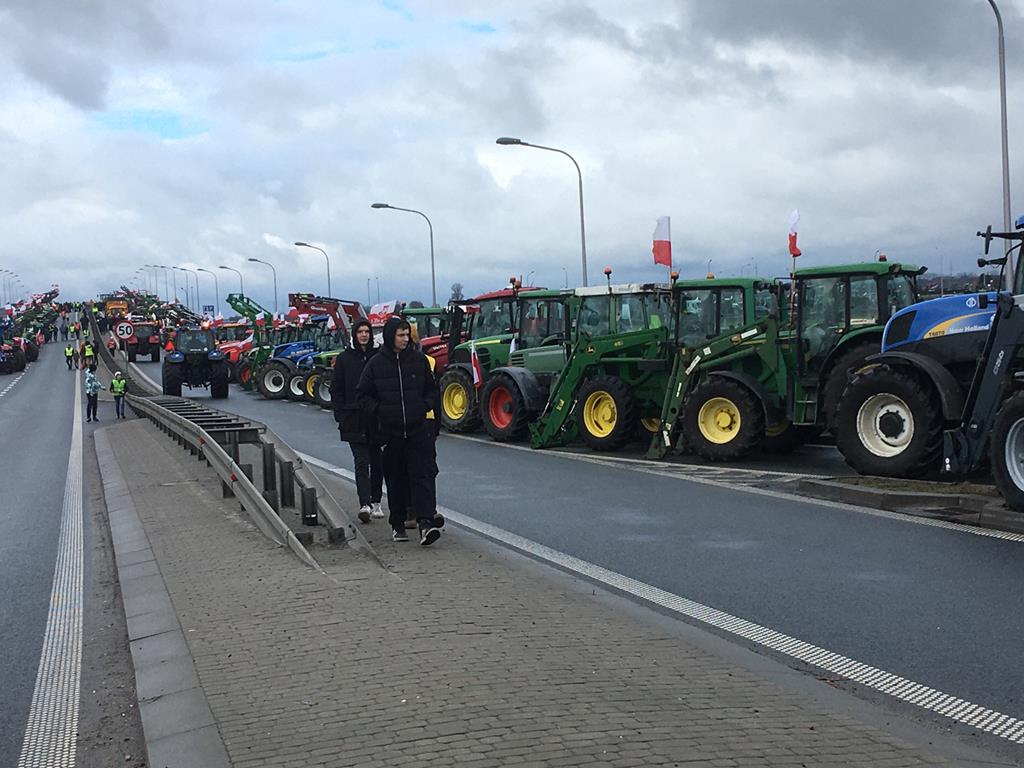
[369, 466]
[410, 471]
[91, 401]
[119, 406]
[69, 361]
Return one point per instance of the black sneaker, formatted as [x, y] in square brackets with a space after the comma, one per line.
[398, 534]
[438, 520]
[429, 534]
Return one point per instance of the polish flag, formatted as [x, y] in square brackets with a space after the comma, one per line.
[663, 241]
[794, 217]
[474, 363]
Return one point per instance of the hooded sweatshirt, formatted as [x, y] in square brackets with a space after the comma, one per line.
[397, 387]
[348, 367]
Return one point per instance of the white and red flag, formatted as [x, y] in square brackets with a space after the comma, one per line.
[663, 241]
[474, 363]
[794, 217]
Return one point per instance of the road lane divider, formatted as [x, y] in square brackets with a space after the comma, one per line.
[990, 721]
[15, 380]
[51, 735]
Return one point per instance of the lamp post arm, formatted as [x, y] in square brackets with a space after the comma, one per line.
[430, 227]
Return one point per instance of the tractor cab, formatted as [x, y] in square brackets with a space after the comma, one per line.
[836, 305]
[716, 306]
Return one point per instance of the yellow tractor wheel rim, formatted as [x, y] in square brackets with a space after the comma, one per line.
[599, 414]
[311, 384]
[719, 420]
[779, 429]
[455, 401]
[651, 424]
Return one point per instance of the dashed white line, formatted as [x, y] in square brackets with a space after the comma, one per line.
[983, 719]
[51, 735]
[15, 380]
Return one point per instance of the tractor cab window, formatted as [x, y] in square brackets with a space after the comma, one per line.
[595, 316]
[733, 318]
[493, 319]
[698, 317]
[194, 341]
[632, 313]
[822, 317]
[766, 303]
[902, 292]
[659, 310]
[863, 301]
[542, 319]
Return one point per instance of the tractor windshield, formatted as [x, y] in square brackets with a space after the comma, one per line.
[496, 317]
[595, 316]
[707, 313]
[542, 319]
[194, 341]
[902, 292]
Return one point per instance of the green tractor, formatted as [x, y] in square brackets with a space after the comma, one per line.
[783, 384]
[486, 325]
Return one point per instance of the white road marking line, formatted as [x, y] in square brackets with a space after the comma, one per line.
[988, 720]
[51, 735]
[653, 468]
[14, 381]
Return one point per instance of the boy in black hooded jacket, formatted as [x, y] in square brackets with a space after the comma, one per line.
[397, 387]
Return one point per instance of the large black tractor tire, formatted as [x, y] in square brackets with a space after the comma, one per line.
[154, 354]
[322, 392]
[173, 376]
[20, 361]
[889, 423]
[459, 411]
[722, 420]
[503, 409]
[243, 372]
[783, 438]
[1006, 452]
[133, 351]
[838, 376]
[219, 380]
[272, 380]
[295, 389]
[606, 413]
[31, 352]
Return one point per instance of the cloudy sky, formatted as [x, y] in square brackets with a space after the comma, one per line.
[205, 133]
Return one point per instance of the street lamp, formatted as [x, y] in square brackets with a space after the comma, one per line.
[259, 261]
[241, 285]
[188, 291]
[174, 279]
[301, 244]
[156, 278]
[216, 289]
[1006, 150]
[199, 308]
[565, 274]
[507, 141]
[430, 227]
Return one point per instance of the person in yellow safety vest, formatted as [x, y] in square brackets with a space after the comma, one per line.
[118, 388]
[69, 355]
[87, 354]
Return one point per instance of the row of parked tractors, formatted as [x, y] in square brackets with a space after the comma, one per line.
[20, 331]
[720, 367]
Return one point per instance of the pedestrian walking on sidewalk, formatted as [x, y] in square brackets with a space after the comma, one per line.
[69, 356]
[118, 388]
[398, 389]
[357, 428]
[92, 393]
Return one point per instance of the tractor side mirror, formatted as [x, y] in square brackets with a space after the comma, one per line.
[983, 300]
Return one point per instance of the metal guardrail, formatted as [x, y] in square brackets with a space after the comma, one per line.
[216, 435]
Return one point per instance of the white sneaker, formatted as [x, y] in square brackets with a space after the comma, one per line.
[364, 513]
[376, 512]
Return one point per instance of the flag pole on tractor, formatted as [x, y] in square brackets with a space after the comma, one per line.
[794, 251]
[663, 243]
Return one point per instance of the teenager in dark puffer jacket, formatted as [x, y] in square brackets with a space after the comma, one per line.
[357, 428]
[398, 388]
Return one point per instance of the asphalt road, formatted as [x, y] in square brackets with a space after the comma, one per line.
[35, 423]
[940, 607]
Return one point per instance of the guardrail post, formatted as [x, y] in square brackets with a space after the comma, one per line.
[271, 498]
[287, 484]
[309, 506]
[247, 471]
[269, 467]
[233, 446]
[225, 490]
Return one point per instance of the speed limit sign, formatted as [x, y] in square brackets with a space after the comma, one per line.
[124, 330]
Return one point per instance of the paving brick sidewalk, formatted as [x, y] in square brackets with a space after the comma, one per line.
[456, 656]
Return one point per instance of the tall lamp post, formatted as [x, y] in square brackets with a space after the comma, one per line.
[507, 141]
[195, 296]
[1006, 150]
[174, 281]
[241, 284]
[430, 227]
[301, 244]
[216, 289]
[167, 291]
[260, 261]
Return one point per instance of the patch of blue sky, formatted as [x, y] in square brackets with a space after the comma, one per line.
[166, 125]
[297, 57]
[387, 44]
[478, 28]
[397, 7]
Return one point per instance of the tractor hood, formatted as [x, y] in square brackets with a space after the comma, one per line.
[940, 318]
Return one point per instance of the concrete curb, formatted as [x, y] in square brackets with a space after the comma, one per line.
[177, 722]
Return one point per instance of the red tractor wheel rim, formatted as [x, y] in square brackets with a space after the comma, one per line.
[243, 375]
[499, 407]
